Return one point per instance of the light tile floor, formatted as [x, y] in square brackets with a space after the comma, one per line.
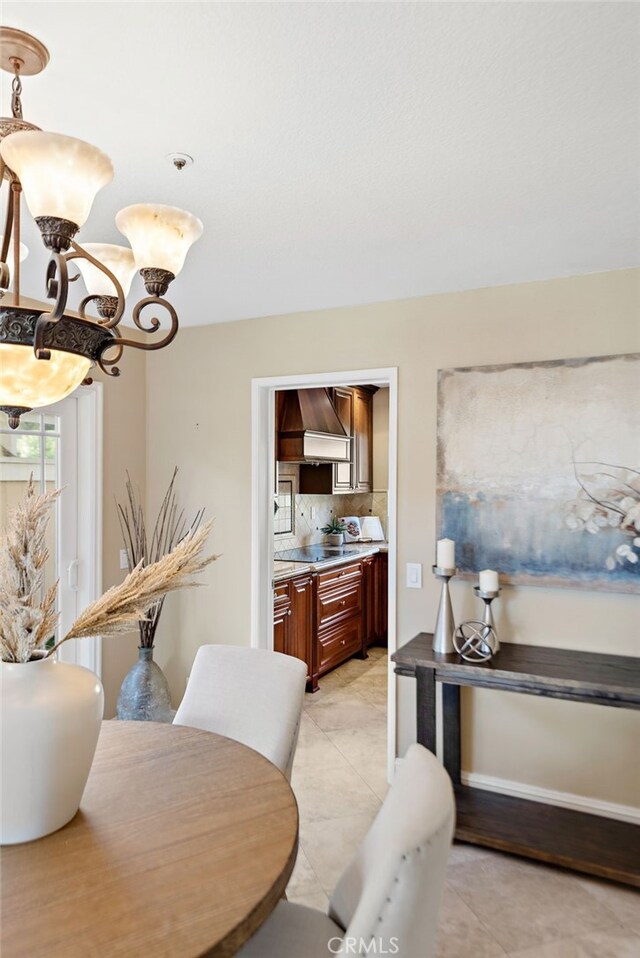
[494, 905]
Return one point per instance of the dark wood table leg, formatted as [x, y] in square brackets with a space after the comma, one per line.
[426, 707]
[451, 731]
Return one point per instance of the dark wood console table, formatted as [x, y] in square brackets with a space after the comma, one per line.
[587, 843]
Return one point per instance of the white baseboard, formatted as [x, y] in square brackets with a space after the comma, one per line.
[548, 796]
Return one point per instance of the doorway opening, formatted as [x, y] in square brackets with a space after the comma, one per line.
[345, 593]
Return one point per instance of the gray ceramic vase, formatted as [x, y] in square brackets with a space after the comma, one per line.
[144, 695]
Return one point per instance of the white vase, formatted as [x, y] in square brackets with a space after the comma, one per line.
[50, 714]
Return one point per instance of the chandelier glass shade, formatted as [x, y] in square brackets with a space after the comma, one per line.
[160, 236]
[47, 349]
[60, 175]
[118, 259]
[35, 382]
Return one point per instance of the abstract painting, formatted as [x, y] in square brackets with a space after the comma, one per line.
[539, 471]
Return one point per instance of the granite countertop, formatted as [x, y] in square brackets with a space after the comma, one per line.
[287, 570]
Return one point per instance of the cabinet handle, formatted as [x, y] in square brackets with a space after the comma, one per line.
[343, 603]
[289, 612]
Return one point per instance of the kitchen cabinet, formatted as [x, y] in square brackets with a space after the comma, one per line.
[293, 620]
[362, 440]
[300, 639]
[369, 592]
[336, 645]
[326, 617]
[339, 633]
[281, 615]
[354, 406]
[381, 597]
[342, 478]
[375, 588]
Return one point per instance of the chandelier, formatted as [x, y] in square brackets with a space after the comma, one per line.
[46, 349]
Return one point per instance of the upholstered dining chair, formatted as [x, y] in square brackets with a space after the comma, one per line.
[250, 695]
[388, 899]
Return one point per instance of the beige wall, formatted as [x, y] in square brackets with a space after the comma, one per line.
[124, 449]
[199, 416]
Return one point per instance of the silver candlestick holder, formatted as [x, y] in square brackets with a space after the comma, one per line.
[487, 618]
[445, 626]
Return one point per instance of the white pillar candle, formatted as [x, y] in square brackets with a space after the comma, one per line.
[446, 554]
[489, 581]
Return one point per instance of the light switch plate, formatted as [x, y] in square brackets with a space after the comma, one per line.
[124, 559]
[414, 575]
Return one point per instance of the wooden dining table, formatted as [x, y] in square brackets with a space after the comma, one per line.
[183, 845]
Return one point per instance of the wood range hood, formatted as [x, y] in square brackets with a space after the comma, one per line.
[309, 429]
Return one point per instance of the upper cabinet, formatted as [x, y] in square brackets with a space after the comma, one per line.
[343, 400]
[362, 445]
[354, 406]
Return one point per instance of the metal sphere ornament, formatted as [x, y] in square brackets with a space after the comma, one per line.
[475, 641]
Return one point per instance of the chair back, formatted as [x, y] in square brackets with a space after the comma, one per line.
[392, 889]
[250, 695]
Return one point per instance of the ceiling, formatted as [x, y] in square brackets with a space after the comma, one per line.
[349, 153]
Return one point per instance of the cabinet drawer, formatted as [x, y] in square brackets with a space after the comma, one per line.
[281, 593]
[339, 576]
[343, 602]
[339, 643]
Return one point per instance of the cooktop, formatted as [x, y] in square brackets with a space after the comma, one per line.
[314, 553]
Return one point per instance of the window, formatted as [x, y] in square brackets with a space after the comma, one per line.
[31, 450]
[59, 446]
[284, 519]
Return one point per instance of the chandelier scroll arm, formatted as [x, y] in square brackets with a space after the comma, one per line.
[112, 321]
[153, 327]
[58, 289]
[109, 366]
[16, 190]
[5, 276]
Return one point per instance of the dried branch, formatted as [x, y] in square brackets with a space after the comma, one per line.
[128, 603]
[169, 529]
[27, 618]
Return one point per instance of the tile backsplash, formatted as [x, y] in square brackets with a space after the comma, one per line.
[307, 529]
